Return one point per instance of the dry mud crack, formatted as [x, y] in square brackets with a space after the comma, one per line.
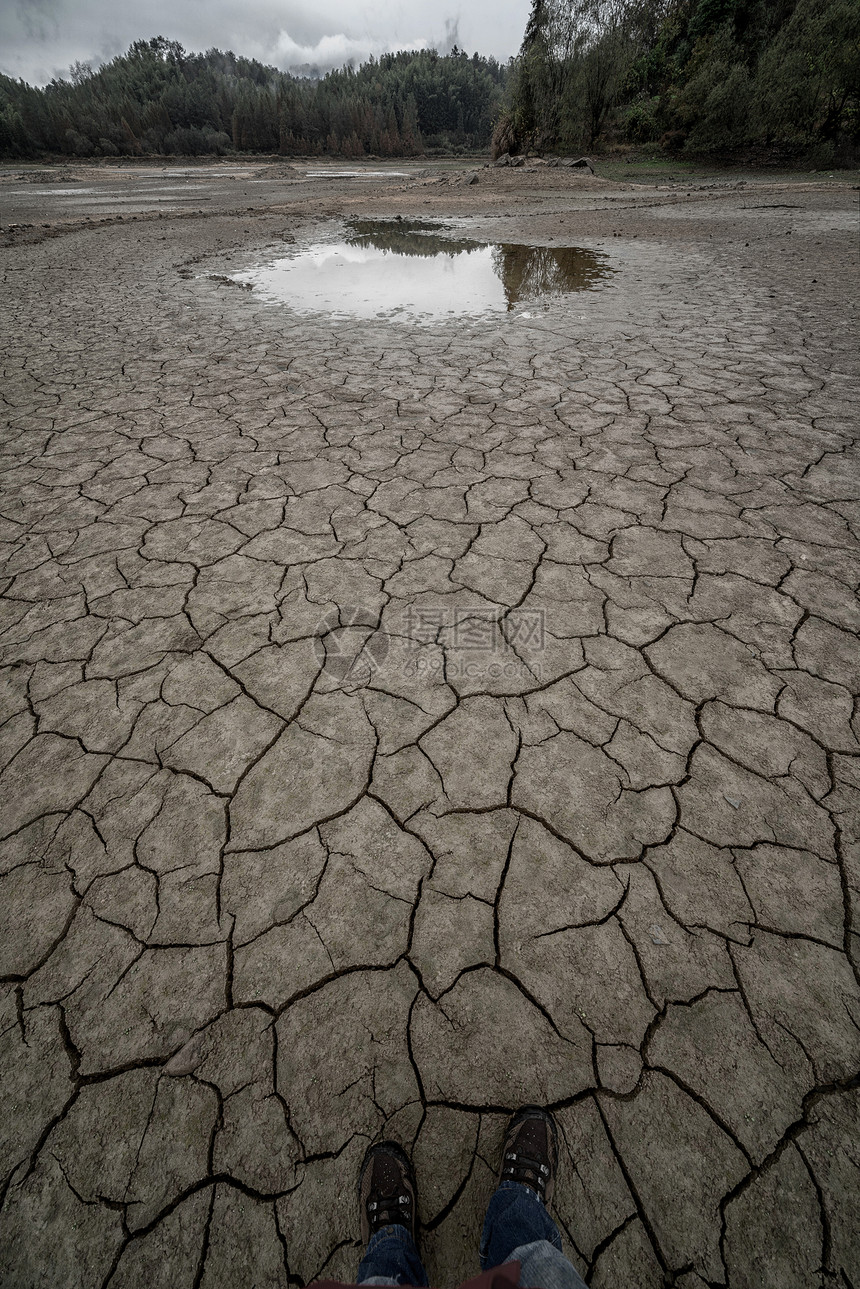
[403, 723]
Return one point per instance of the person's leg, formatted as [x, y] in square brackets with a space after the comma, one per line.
[388, 1206]
[391, 1258]
[518, 1227]
[543, 1266]
[515, 1217]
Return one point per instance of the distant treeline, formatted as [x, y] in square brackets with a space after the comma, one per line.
[157, 98]
[716, 76]
[702, 75]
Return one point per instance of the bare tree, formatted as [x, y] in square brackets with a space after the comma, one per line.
[548, 60]
[610, 47]
[573, 62]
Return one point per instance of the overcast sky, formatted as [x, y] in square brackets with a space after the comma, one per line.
[40, 39]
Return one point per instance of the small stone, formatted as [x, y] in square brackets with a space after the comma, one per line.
[657, 934]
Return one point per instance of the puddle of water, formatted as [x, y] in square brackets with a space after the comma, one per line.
[356, 174]
[388, 269]
[139, 199]
[201, 172]
[106, 193]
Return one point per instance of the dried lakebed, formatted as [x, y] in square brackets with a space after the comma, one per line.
[404, 722]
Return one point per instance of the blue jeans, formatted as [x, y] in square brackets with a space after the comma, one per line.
[517, 1228]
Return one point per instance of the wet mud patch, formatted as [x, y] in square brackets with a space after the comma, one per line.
[418, 270]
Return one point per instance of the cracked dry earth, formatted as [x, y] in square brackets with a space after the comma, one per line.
[566, 812]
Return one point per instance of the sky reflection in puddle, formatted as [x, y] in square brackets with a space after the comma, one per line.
[400, 269]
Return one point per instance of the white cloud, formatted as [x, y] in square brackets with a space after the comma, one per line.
[38, 37]
[335, 51]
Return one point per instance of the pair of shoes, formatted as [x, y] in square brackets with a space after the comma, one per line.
[387, 1194]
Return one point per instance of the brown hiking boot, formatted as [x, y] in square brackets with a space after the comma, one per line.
[530, 1153]
[386, 1190]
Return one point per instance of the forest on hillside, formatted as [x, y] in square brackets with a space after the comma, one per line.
[718, 77]
[157, 98]
[706, 76]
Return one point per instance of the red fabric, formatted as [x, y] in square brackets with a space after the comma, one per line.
[506, 1277]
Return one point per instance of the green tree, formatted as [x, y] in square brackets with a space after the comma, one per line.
[808, 85]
